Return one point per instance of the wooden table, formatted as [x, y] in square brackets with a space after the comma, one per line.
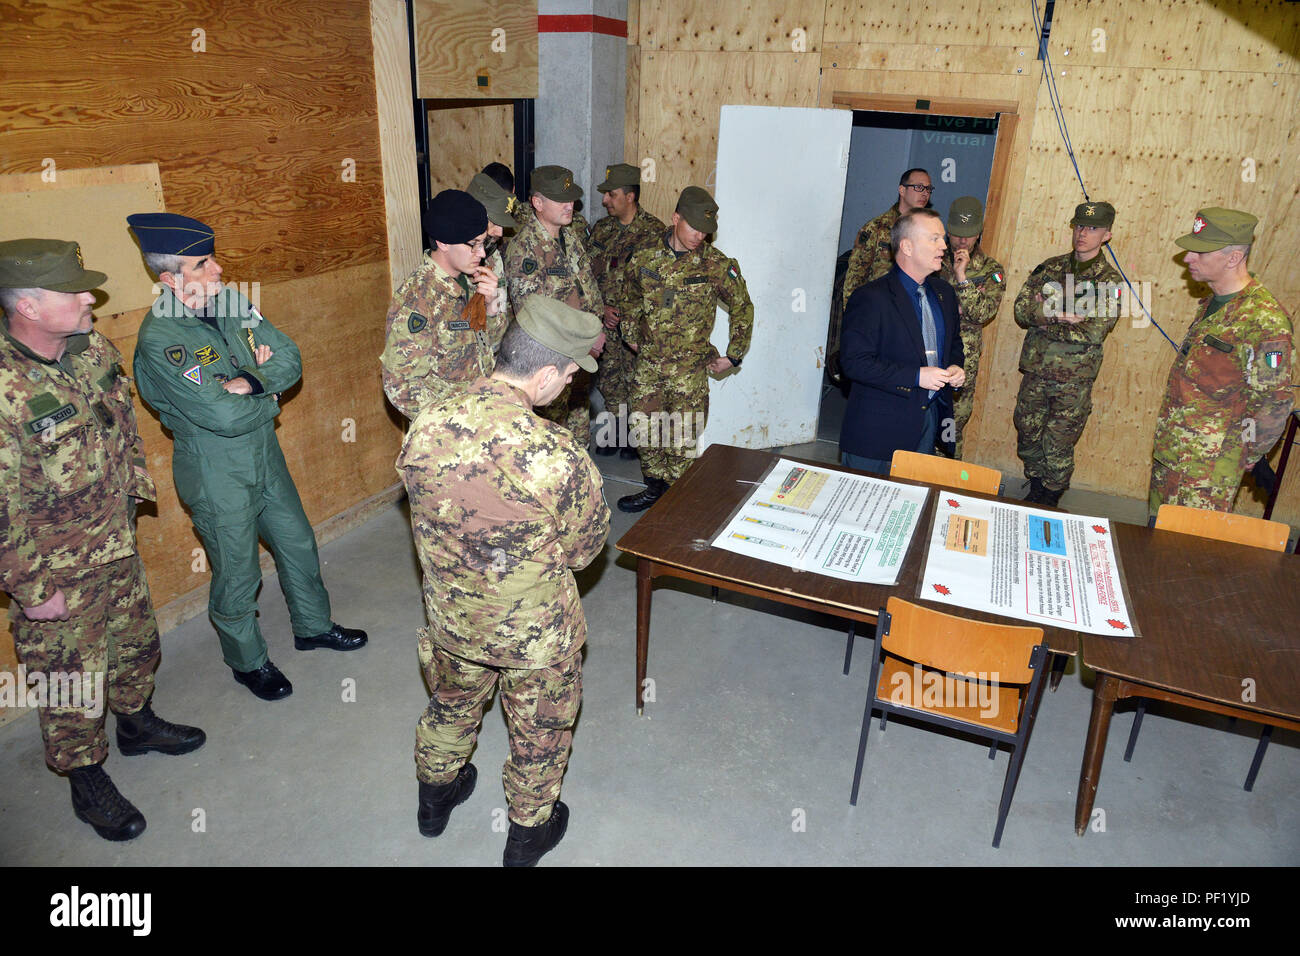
[1212, 615]
[672, 540]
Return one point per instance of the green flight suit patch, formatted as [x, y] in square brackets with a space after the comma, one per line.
[417, 323]
[193, 374]
[175, 354]
[207, 355]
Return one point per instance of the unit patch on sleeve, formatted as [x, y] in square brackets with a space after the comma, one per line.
[207, 355]
[193, 374]
[417, 323]
[529, 266]
[175, 354]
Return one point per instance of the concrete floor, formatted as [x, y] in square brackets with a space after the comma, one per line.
[745, 757]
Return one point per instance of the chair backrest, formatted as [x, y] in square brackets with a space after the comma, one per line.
[1224, 526]
[958, 645]
[945, 471]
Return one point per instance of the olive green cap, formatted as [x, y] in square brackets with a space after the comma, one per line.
[555, 183]
[1214, 228]
[699, 210]
[561, 327]
[965, 217]
[619, 175]
[494, 199]
[46, 264]
[1100, 214]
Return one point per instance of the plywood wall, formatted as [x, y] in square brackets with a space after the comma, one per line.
[1162, 119]
[464, 137]
[466, 48]
[261, 116]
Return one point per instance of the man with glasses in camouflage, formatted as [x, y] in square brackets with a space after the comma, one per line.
[873, 255]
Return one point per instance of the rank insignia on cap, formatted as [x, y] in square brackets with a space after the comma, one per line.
[964, 217]
[569, 182]
[607, 171]
[175, 354]
[1090, 210]
[193, 374]
[997, 277]
[417, 322]
[1197, 225]
[529, 266]
[1273, 359]
[206, 355]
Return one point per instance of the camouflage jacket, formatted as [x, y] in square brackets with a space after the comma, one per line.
[673, 303]
[1058, 350]
[872, 254]
[430, 351]
[504, 506]
[72, 460]
[981, 298]
[1229, 390]
[536, 263]
[611, 244]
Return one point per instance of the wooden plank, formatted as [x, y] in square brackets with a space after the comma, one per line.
[950, 106]
[996, 202]
[978, 23]
[633, 22]
[392, 52]
[632, 108]
[1223, 36]
[758, 26]
[464, 136]
[468, 50]
[945, 58]
[89, 207]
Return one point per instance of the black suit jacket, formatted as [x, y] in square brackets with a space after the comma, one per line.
[881, 352]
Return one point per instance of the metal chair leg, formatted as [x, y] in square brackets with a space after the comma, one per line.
[1264, 736]
[1008, 791]
[848, 646]
[1137, 725]
[862, 750]
[993, 750]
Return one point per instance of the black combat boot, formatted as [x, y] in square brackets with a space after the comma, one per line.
[145, 731]
[1051, 496]
[97, 801]
[1036, 491]
[437, 800]
[266, 682]
[526, 845]
[654, 490]
[337, 638]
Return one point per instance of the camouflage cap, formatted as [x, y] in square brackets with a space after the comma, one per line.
[494, 199]
[46, 264]
[1100, 214]
[555, 183]
[560, 327]
[965, 217]
[1214, 228]
[619, 175]
[697, 207]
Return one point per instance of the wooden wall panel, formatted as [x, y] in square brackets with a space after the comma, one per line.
[251, 134]
[973, 23]
[632, 108]
[766, 26]
[393, 92]
[458, 54]
[1253, 36]
[680, 132]
[464, 136]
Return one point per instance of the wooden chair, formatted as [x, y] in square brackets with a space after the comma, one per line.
[1221, 526]
[940, 652]
[934, 470]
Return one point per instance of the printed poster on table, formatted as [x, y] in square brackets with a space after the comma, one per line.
[1044, 567]
[828, 522]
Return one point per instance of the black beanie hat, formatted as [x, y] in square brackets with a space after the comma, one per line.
[454, 216]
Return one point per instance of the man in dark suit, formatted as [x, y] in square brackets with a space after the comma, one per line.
[901, 350]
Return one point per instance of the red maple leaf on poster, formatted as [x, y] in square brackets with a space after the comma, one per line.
[953, 503]
[1118, 625]
[942, 589]
[1099, 528]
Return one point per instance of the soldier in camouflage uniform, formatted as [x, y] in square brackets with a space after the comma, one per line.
[613, 239]
[980, 284]
[504, 506]
[1229, 390]
[673, 289]
[436, 343]
[1069, 304]
[548, 257]
[500, 206]
[872, 254]
[73, 467]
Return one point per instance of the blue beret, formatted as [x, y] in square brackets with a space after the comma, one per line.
[172, 235]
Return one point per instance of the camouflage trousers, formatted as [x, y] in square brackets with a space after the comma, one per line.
[1211, 485]
[110, 640]
[617, 376]
[541, 706]
[670, 408]
[572, 408]
[1049, 419]
[964, 398]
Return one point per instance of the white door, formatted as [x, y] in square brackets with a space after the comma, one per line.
[780, 189]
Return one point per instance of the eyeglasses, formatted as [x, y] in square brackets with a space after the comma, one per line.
[479, 244]
[921, 189]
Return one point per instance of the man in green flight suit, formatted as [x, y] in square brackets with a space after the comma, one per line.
[213, 368]
[1069, 304]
